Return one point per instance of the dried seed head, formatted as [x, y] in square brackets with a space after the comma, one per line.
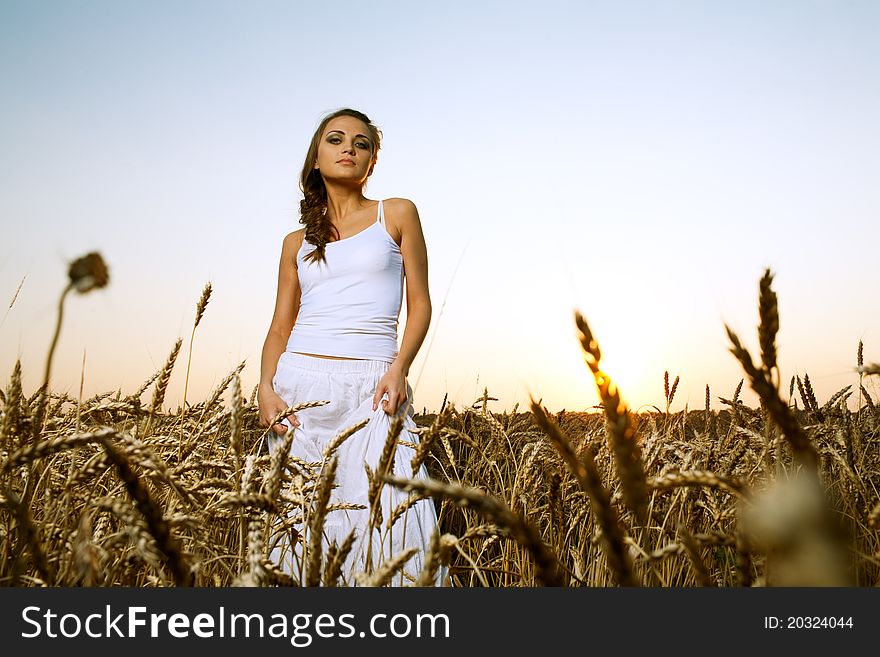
[88, 273]
[592, 354]
[673, 389]
[737, 391]
[768, 312]
[203, 303]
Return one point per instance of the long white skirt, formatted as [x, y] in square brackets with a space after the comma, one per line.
[349, 386]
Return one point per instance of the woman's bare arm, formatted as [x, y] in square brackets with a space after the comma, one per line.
[286, 309]
[418, 298]
[418, 303]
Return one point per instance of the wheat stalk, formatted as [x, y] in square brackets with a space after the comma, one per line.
[548, 568]
[316, 521]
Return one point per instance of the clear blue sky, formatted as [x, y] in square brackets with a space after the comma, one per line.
[640, 161]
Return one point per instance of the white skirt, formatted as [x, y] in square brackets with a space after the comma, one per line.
[349, 386]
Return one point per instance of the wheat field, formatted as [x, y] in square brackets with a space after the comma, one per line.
[112, 491]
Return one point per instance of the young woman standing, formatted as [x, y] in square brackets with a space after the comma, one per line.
[341, 283]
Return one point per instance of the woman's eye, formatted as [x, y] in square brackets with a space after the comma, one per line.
[363, 145]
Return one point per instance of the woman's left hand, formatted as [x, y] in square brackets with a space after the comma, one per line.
[393, 382]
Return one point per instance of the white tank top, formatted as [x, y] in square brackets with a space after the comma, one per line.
[350, 304]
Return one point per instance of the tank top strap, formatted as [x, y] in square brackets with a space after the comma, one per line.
[380, 217]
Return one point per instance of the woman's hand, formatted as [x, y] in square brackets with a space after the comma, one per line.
[393, 382]
[271, 405]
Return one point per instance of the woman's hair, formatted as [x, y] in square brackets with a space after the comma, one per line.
[313, 207]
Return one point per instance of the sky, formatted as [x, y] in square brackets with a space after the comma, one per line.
[639, 162]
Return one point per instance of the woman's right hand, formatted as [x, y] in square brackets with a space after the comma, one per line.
[271, 405]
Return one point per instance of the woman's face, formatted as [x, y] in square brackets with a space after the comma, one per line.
[345, 150]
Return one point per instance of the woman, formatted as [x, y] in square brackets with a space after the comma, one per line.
[334, 337]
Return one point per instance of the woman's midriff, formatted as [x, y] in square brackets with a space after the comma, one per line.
[330, 357]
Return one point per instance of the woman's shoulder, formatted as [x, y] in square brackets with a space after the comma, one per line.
[402, 212]
[400, 204]
[402, 219]
[294, 239]
[292, 243]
